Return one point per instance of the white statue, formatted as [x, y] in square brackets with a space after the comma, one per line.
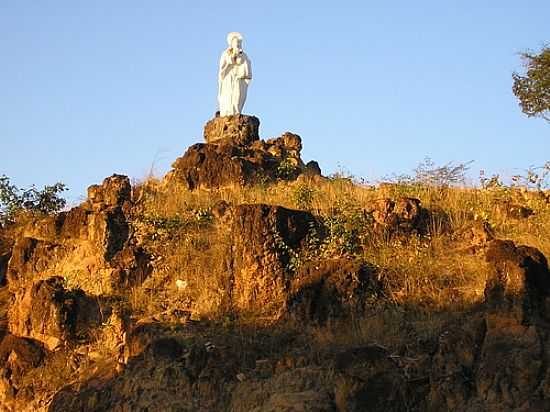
[234, 76]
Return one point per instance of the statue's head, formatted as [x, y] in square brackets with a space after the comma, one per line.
[235, 40]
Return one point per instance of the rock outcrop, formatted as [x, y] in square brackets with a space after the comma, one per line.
[49, 313]
[332, 289]
[167, 298]
[89, 242]
[514, 356]
[170, 375]
[239, 130]
[263, 239]
[499, 361]
[234, 155]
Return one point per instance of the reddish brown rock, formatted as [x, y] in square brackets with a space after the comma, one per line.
[331, 289]
[298, 389]
[168, 376]
[519, 281]
[89, 242]
[514, 356]
[263, 238]
[20, 353]
[51, 314]
[114, 191]
[404, 215]
[239, 129]
[228, 163]
[5, 255]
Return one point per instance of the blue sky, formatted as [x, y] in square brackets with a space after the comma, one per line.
[91, 88]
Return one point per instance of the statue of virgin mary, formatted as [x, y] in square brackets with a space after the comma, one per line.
[234, 76]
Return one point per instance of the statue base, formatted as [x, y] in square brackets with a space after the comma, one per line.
[238, 129]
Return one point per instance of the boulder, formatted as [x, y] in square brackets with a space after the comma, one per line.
[404, 215]
[312, 168]
[31, 259]
[53, 315]
[263, 239]
[519, 281]
[238, 129]
[20, 353]
[238, 157]
[331, 289]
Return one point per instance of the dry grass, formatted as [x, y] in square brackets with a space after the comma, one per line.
[429, 280]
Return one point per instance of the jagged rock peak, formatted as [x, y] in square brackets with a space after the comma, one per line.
[235, 155]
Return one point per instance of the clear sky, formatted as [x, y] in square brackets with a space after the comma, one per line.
[90, 88]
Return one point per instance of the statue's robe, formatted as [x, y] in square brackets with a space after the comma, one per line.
[233, 81]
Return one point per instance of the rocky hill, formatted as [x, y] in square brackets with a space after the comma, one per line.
[244, 280]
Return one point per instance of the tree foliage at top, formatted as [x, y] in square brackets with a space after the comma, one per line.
[533, 88]
[14, 200]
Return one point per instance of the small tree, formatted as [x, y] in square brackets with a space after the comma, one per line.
[14, 200]
[533, 88]
[450, 174]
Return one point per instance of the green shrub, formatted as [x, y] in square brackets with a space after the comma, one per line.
[14, 200]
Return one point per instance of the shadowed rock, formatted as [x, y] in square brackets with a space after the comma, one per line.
[51, 314]
[331, 289]
[512, 361]
[519, 280]
[368, 380]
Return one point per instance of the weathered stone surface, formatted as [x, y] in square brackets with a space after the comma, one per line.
[312, 168]
[404, 215]
[226, 163]
[519, 281]
[114, 191]
[262, 237]
[331, 289]
[92, 241]
[31, 258]
[480, 234]
[368, 380]
[5, 255]
[212, 166]
[22, 353]
[514, 354]
[168, 376]
[298, 389]
[18, 356]
[238, 129]
[287, 147]
[51, 314]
